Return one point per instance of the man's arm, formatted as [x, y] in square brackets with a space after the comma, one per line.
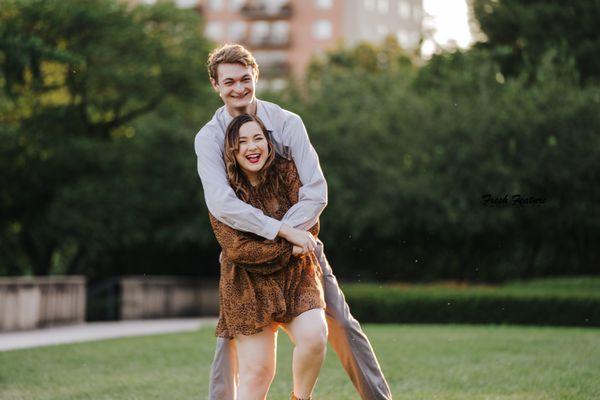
[220, 197]
[312, 197]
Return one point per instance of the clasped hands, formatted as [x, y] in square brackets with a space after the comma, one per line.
[303, 241]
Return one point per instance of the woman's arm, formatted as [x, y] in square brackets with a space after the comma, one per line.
[249, 250]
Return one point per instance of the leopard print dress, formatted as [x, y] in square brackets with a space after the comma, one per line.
[261, 281]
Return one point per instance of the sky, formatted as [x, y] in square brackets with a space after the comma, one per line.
[449, 19]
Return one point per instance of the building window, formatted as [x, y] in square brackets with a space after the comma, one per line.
[236, 31]
[382, 30]
[404, 9]
[272, 6]
[280, 31]
[323, 4]
[215, 5]
[417, 14]
[186, 3]
[322, 29]
[214, 31]
[235, 5]
[403, 38]
[259, 32]
[369, 5]
[415, 37]
[278, 84]
[383, 6]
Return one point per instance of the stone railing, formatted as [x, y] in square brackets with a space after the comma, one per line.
[166, 297]
[34, 302]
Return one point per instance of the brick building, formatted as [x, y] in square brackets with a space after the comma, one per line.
[284, 34]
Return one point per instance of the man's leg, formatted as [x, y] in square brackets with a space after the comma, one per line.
[223, 374]
[349, 341]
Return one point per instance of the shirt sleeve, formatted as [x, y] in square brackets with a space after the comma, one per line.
[249, 250]
[312, 197]
[220, 198]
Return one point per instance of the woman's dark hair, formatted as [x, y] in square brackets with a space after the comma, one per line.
[269, 182]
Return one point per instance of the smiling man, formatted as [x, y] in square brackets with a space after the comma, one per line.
[233, 74]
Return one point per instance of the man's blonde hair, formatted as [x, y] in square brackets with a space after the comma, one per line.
[230, 54]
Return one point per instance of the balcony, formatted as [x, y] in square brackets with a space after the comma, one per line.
[275, 69]
[265, 11]
[267, 42]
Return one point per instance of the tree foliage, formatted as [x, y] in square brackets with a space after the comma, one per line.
[100, 102]
[409, 157]
[80, 167]
[521, 33]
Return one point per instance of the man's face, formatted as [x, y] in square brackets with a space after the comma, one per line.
[235, 85]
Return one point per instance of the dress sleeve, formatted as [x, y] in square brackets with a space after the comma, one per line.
[248, 250]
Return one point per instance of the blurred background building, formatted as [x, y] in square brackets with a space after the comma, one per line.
[284, 34]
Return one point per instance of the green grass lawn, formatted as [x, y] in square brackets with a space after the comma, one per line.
[420, 361]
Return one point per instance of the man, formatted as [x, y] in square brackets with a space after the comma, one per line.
[233, 74]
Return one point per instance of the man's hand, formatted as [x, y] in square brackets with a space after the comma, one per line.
[298, 237]
[297, 251]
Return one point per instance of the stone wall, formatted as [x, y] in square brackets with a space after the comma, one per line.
[34, 302]
[167, 297]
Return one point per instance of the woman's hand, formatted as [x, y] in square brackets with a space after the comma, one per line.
[299, 238]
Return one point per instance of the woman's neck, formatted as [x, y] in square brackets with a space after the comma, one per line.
[252, 177]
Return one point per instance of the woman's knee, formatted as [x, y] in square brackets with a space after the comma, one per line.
[257, 374]
[314, 336]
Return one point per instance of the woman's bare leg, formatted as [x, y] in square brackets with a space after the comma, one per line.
[256, 363]
[308, 331]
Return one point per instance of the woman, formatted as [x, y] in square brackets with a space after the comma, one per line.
[266, 284]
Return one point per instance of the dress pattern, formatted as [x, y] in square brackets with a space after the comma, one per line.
[261, 281]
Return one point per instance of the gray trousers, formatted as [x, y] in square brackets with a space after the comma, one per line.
[345, 336]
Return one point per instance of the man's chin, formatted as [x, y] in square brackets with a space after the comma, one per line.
[240, 107]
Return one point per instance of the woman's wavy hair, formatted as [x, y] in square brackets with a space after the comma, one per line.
[269, 181]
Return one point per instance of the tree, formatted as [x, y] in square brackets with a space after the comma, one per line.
[77, 76]
[521, 33]
[408, 155]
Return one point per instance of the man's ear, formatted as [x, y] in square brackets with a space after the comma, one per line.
[213, 83]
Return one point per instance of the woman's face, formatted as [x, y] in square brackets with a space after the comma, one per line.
[253, 149]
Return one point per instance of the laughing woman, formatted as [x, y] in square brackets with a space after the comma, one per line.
[267, 284]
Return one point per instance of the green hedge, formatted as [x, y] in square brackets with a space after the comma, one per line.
[549, 302]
